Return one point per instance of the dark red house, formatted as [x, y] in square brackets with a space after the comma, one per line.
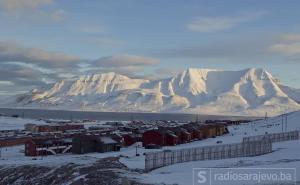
[130, 139]
[156, 137]
[169, 136]
[186, 136]
[171, 139]
[195, 130]
[179, 132]
[47, 146]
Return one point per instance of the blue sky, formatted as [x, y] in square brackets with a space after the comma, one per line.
[42, 41]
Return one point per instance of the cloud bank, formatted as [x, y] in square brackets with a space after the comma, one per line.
[32, 10]
[288, 44]
[27, 68]
[10, 52]
[212, 24]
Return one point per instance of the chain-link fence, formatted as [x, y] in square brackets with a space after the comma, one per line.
[275, 137]
[251, 146]
[159, 159]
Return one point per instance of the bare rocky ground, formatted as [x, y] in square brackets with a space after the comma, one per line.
[108, 171]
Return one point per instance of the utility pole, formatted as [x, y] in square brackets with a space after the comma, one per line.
[266, 118]
[136, 148]
[282, 123]
[286, 122]
[131, 118]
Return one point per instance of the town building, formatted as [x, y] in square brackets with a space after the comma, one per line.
[54, 127]
[174, 135]
[47, 146]
[94, 143]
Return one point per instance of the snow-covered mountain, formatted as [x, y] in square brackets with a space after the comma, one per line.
[202, 91]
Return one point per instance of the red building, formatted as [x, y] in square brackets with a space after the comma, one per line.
[13, 141]
[47, 146]
[171, 139]
[153, 137]
[130, 139]
[181, 134]
[169, 136]
[196, 133]
[186, 136]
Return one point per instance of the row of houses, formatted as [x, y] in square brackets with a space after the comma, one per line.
[53, 127]
[79, 144]
[170, 136]
[228, 122]
[68, 137]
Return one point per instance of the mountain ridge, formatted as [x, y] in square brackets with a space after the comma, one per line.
[207, 91]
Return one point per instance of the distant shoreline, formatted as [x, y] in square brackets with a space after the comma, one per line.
[35, 113]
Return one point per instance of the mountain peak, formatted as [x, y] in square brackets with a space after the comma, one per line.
[203, 91]
[258, 73]
[202, 71]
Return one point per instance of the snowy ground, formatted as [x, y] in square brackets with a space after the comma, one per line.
[9, 123]
[284, 155]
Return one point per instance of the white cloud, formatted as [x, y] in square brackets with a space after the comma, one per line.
[291, 37]
[286, 49]
[12, 7]
[10, 52]
[23, 75]
[30, 67]
[32, 10]
[5, 82]
[125, 60]
[123, 64]
[211, 24]
[288, 44]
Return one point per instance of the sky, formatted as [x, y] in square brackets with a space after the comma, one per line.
[43, 41]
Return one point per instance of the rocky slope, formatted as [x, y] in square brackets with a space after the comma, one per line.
[108, 171]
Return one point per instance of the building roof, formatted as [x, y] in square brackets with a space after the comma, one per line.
[170, 133]
[108, 140]
[50, 141]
